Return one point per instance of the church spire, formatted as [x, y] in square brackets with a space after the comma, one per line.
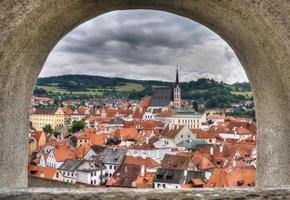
[177, 77]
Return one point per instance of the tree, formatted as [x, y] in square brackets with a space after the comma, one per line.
[77, 126]
[195, 106]
[47, 129]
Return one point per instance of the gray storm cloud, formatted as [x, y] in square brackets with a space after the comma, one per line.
[144, 44]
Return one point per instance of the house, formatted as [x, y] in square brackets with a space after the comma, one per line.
[174, 178]
[114, 124]
[128, 136]
[190, 119]
[125, 176]
[112, 158]
[68, 170]
[146, 162]
[147, 151]
[49, 173]
[207, 136]
[44, 116]
[177, 162]
[215, 118]
[39, 137]
[91, 172]
[145, 180]
[58, 156]
[94, 151]
[245, 176]
[174, 134]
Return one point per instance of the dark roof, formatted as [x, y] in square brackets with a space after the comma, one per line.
[91, 165]
[192, 144]
[175, 176]
[116, 120]
[112, 155]
[45, 111]
[97, 148]
[175, 162]
[169, 176]
[70, 165]
[161, 97]
[195, 175]
[125, 175]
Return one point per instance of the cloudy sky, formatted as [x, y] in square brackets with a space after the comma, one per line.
[144, 44]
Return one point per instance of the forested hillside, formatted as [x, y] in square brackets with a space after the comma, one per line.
[204, 91]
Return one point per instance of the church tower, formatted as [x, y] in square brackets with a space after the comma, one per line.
[177, 92]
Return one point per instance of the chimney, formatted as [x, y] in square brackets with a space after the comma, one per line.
[234, 163]
[143, 170]
[147, 140]
[221, 148]
[185, 173]
[211, 150]
[41, 174]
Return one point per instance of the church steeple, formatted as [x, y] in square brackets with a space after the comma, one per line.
[177, 77]
[177, 92]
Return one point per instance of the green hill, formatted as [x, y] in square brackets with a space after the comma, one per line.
[205, 91]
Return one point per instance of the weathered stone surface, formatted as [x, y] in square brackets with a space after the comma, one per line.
[258, 31]
[113, 194]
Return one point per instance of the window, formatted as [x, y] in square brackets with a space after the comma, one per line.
[115, 167]
[181, 136]
[57, 174]
[168, 177]
[95, 181]
[110, 167]
[91, 182]
[64, 173]
[164, 186]
[95, 174]
[92, 174]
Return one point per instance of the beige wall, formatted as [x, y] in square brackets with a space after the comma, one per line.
[40, 120]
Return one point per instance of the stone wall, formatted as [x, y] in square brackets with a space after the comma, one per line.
[121, 194]
[257, 30]
[40, 182]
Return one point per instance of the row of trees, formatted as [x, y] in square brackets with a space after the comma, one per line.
[75, 127]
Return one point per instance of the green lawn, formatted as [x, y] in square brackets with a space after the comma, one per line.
[56, 89]
[122, 88]
[130, 87]
[247, 93]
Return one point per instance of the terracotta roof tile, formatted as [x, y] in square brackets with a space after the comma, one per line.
[147, 162]
[41, 172]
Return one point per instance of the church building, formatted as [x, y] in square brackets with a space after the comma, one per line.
[166, 97]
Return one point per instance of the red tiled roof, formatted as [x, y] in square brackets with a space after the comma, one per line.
[147, 162]
[145, 181]
[62, 154]
[145, 102]
[127, 134]
[37, 135]
[41, 172]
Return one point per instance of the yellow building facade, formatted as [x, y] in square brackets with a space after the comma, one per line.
[43, 116]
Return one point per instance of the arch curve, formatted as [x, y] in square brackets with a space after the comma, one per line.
[258, 31]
